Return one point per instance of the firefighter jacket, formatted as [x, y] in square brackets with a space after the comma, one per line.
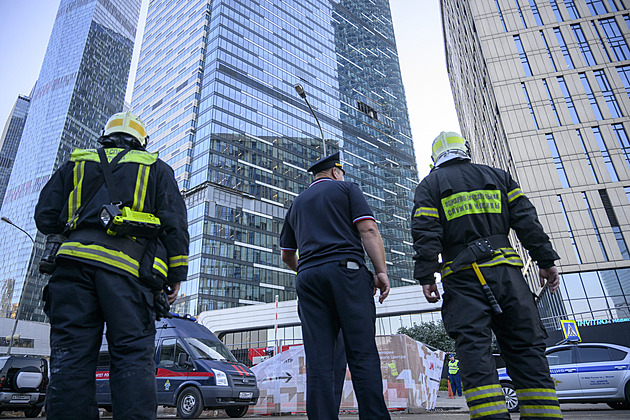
[460, 202]
[144, 183]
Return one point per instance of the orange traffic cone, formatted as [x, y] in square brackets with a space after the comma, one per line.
[450, 390]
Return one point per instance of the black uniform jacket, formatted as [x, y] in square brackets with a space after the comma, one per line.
[144, 183]
[460, 202]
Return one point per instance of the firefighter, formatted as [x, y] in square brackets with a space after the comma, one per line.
[464, 212]
[97, 278]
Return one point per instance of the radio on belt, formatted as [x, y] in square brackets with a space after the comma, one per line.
[124, 221]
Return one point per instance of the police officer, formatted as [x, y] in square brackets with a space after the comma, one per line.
[464, 212]
[97, 278]
[453, 375]
[330, 223]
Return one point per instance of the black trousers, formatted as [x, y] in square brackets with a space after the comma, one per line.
[519, 331]
[331, 297]
[79, 299]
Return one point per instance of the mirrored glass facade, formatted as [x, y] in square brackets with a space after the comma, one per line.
[559, 130]
[82, 82]
[215, 85]
[10, 140]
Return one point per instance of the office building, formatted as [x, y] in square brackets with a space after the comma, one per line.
[82, 82]
[215, 86]
[10, 140]
[542, 89]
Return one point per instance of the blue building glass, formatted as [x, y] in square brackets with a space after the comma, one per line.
[215, 85]
[10, 140]
[82, 82]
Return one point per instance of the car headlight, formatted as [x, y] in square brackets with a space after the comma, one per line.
[220, 378]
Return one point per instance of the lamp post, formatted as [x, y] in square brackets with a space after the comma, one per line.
[19, 308]
[300, 90]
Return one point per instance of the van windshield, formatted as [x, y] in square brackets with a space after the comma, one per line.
[202, 348]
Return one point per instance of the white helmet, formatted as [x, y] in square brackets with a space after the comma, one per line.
[128, 123]
[447, 146]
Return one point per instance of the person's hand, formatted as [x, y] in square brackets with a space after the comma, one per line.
[381, 282]
[174, 290]
[431, 292]
[551, 276]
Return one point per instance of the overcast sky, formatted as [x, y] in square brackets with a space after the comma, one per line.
[25, 27]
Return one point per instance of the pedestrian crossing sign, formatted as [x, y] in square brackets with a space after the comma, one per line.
[570, 330]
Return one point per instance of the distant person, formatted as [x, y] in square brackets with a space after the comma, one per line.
[331, 223]
[453, 375]
[464, 212]
[97, 279]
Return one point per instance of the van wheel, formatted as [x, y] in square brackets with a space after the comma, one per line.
[511, 400]
[237, 411]
[32, 412]
[189, 403]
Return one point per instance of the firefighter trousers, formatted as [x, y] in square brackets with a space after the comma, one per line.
[468, 319]
[79, 299]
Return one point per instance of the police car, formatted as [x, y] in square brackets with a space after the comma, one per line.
[583, 373]
[195, 371]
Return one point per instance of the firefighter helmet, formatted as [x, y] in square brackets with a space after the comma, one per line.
[447, 146]
[128, 123]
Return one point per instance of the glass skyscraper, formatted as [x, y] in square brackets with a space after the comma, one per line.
[10, 140]
[215, 86]
[542, 89]
[82, 82]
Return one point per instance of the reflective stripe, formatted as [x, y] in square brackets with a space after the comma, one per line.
[177, 261]
[101, 254]
[133, 156]
[490, 394]
[487, 409]
[482, 390]
[471, 202]
[514, 194]
[160, 266]
[502, 256]
[74, 200]
[141, 188]
[427, 211]
[536, 392]
[540, 411]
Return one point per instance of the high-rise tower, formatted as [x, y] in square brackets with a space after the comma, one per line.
[542, 89]
[10, 140]
[81, 83]
[215, 86]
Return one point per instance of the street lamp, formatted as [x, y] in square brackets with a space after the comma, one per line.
[300, 90]
[19, 308]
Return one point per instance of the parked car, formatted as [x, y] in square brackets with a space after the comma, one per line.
[195, 371]
[23, 382]
[583, 373]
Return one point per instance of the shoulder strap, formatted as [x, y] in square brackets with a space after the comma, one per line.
[107, 172]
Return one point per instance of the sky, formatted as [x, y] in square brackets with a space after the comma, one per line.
[25, 26]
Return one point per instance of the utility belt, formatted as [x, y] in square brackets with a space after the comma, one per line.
[477, 251]
[124, 244]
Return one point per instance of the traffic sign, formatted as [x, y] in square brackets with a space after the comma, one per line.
[570, 330]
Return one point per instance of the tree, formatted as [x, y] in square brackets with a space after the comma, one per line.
[432, 334]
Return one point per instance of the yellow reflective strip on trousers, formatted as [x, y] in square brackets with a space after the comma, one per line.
[540, 410]
[487, 409]
[426, 211]
[471, 202]
[178, 261]
[475, 391]
[546, 390]
[514, 194]
[141, 188]
[480, 396]
[101, 254]
[74, 200]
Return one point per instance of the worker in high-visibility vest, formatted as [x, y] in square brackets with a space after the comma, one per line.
[453, 375]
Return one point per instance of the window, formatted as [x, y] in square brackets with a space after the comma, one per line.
[500, 15]
[573, 11]
[532, 4]
[569, 230]
[622, 138]
[615, 38]
[557, 160]
[595, 228]
[170, 350]
[567, 98]
[614, 223]
[601, 41]
[560, 357]
[563, 48]
[593, 354]
[588, 158]
[624, 74]
[520, 13]
[522, 55]
[367, 110]
[609, 96]
[616, 354]
[596, 7]
[605, 154]
[542, 34]
[556, 10]
[553, 105]
[529, 105]
[583, 44]
[591, 96]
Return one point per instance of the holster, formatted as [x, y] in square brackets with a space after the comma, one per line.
[478, 251]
